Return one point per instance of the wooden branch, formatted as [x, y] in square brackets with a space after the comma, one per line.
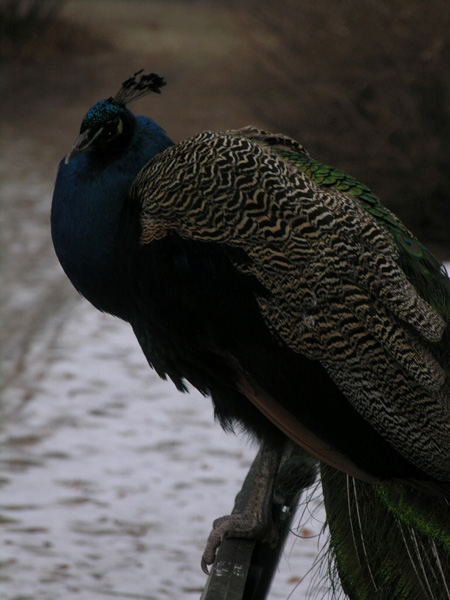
[244, 569]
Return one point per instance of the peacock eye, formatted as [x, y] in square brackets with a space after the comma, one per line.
[114, 128]
[111, 130]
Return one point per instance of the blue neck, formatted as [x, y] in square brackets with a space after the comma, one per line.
[88, 200]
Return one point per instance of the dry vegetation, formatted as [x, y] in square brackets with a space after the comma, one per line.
[364, 85]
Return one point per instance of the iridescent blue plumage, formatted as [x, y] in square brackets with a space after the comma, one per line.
[100, 113]
[89, 198]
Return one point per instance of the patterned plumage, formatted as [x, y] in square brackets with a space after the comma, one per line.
[283, 289]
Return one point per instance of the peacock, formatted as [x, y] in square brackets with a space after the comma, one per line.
[285, 291]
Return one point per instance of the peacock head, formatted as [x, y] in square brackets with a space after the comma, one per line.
[108, 123]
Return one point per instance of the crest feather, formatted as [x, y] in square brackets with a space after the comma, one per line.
[135, 87]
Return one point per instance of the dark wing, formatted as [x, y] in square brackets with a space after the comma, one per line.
[336, 292]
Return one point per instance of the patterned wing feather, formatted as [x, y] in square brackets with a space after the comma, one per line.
[337, 291]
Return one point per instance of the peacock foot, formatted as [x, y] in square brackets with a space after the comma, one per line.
[247, 524]
[252, 514]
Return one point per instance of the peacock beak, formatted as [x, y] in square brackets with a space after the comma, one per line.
[83, 143]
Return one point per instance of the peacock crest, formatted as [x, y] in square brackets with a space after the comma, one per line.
[136, 87]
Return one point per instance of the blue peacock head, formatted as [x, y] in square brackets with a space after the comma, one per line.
[108, 124]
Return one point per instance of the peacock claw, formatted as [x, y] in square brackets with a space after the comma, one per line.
[245, 525]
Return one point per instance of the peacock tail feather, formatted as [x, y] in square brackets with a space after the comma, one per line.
[388, 541]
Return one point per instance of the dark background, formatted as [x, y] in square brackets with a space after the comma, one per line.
[363, 85]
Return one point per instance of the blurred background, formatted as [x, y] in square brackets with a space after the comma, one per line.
[363, 84]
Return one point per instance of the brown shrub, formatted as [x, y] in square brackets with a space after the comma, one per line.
[364, 85]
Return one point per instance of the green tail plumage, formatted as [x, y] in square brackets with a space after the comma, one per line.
[388, 541]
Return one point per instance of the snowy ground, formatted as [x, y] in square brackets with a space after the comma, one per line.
[111, 478]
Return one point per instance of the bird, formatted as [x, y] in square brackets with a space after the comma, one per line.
[284, 290]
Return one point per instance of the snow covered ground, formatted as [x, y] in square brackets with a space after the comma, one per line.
[111, 478]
